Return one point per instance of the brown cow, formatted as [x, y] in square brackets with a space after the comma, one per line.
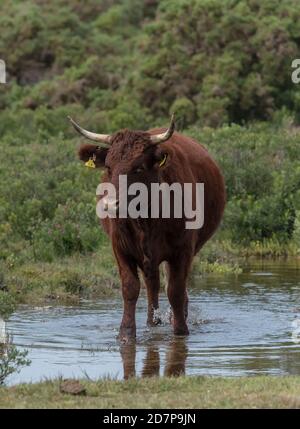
[156, 156]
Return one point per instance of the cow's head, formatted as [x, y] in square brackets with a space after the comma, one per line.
[137, 154]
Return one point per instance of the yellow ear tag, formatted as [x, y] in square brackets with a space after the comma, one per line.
[91, 162]
[163, 161]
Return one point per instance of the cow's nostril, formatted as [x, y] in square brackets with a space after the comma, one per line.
[105, 204]
[110, 205]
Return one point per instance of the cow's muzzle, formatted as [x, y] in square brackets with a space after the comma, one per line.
[110, 205]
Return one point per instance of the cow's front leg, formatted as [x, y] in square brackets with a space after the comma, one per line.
[130, 292]
[176, 358]
[151, 362]
[153, 285]
[128, 353]
[177, 294]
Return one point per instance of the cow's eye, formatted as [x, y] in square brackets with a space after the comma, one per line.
[139, 170]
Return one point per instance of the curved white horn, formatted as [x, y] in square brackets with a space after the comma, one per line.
[102, 138]
[159, 138]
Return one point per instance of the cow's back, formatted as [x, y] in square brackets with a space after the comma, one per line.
[193, 163]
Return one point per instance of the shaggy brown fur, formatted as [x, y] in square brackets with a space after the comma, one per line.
[145, 243]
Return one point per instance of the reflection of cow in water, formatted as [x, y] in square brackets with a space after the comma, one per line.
[154, 157]
[176, 356]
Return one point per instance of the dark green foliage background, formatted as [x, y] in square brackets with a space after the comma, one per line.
[222, 66]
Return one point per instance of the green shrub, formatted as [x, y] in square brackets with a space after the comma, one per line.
[213, 61]
[262, 175]
[7, 304]
[184, 110]
[232, 59]
[11, 361]
[73, 228]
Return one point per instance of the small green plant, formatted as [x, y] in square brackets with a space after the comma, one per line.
[11, 360]
[7, 304]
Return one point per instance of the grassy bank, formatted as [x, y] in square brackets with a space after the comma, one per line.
[95, 275]
[65, 280]
[195, 392]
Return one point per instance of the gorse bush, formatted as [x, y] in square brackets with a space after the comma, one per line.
[48, 199]
[7, 305]
[211, 61]
[261, 164]
[73, 228]
[230, 59]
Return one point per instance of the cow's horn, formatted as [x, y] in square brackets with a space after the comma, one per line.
[102, 138]
[159, 138]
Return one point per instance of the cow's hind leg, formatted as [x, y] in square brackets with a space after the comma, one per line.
[177, 294]
[153, 285]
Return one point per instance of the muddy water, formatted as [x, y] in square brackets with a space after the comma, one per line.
[239, 325]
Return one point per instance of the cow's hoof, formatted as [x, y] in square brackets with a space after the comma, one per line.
[127, 335]
[181, 330]
[154, 322]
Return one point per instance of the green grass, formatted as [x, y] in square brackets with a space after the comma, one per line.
[93, 275]
[65, 280]
[181, 392]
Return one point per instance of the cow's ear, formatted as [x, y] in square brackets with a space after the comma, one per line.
[161, 157]
[93, 156]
